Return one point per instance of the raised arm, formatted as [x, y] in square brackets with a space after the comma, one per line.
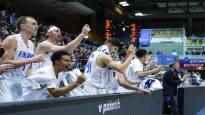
[120, 67]
[73, 44]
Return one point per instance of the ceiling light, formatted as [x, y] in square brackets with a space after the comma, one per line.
[124, 3]
[139, 14]
[123, 29]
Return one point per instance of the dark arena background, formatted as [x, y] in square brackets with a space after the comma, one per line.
[102, 57]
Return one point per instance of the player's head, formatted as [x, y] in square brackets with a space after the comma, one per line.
[62, 60]
[149, 57]
[175, 65]
[113, 44]
[55, 33]
[142, 55]
[27, 24]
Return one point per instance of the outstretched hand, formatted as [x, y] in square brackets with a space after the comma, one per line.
[85, 30]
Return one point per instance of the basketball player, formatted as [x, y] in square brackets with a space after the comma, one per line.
[136, 72]
[69, 77]
[19, 51]
[46, 82]
[3, 68]
[98, 70]
[49, 46]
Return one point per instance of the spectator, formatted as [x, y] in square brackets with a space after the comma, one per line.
[171, 80]
[12, 19]
[136, 70]
[150, 62]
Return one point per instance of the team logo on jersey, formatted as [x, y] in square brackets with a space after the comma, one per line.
[24, 54]
[148, 83]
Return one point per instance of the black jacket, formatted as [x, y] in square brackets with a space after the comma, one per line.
[170, 83]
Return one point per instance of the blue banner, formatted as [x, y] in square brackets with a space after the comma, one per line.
[195, 64]
[166, 59]
[145, 37]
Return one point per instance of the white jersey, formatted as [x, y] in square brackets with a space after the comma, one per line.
[133, 67]
[47, 57]
[14, 79]
[113, 85]
[91, 63]
[39, 82]
[144, 83]
[46, 61]
[66, 78]
[97, 76]
[23, 51]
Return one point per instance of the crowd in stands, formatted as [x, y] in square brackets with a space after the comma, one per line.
[7, 23]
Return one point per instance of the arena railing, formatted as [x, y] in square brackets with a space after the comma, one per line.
[111, 104]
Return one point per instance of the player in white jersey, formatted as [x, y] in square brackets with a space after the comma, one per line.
[19, 51]
[3, 89]
[136, 73]
[4, 68]
[69, 77]
[49, 46]
[46, 81]
[98, 68]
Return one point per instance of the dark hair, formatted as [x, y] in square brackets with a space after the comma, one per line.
[21, 20]
[58, 55]
[114, 42]
[141, 53]
[173, 63]
[150, 52]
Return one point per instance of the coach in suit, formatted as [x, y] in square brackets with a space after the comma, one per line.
[172, 78]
